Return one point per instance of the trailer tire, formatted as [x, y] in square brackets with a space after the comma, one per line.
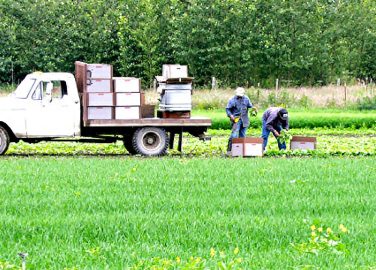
[4, 140]
[150, 141]
[128, 144]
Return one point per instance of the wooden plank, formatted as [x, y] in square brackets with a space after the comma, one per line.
[180, 80]
[168, 122]
[247, 140]
[303, 139]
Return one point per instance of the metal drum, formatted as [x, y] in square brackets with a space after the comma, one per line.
[176, 100]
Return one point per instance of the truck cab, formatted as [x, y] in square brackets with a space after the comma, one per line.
[44, 105]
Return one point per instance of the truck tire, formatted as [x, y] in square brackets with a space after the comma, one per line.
[150, 141]
[4, 140]
[127, 141]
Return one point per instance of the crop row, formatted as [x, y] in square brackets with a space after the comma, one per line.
[326, 146]
[309, 119]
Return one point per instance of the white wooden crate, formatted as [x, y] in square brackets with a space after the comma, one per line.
[128, 99]
[99, 113]
[127, 112]
[127, 84]
[247, 147]
[98, 85]
[174, 71]
[100, 99]
[99, 71]
[303, 143]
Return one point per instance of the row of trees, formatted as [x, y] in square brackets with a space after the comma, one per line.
[239, 42]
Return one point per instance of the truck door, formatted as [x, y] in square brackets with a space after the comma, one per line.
[51, 112]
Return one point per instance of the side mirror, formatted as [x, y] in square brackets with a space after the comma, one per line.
[49, 88]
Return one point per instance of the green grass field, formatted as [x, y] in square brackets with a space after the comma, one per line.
[112, 213]
[78, 206]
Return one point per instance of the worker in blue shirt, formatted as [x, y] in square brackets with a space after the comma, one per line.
[274, 120]
[237, 111]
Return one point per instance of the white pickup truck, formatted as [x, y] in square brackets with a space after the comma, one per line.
[48, 106]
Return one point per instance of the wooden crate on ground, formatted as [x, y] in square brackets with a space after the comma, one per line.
[303, 143]
[247, 147]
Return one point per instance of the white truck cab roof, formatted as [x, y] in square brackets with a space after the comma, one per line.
[47, 76]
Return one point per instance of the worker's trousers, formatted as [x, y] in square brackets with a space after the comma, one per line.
[238, 131]
[265, 136]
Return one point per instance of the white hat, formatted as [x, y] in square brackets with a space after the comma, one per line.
[239, 91]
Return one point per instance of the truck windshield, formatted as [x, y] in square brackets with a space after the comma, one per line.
[24, 88]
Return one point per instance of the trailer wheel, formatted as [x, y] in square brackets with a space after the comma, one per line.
[150, 141]
[4, 140]
[127, 141]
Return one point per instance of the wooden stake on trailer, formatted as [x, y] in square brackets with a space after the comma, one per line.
[172, 138]
[180, 143]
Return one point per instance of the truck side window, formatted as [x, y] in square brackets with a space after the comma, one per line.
[57, 92]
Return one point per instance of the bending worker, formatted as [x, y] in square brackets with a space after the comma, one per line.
[274, 120]
[237, 111]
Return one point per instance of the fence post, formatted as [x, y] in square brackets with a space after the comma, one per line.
[12, 73]
[214, 83]
[276, 85]
[345, 88]
[155, 85]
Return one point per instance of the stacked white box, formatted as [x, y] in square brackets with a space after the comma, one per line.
[99, 113]
[98, 85]
[128, 99]
[174, 71]
[127, 113]
[100, 99]
[99, 71]
[127, 84]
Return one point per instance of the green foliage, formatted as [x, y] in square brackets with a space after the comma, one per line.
[336, 142]
[324, 239]
[284, 136]
[217, 261]
[367, 103]
[239, 42]
[4, 265]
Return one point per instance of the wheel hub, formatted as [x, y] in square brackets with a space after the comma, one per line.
[151, 140]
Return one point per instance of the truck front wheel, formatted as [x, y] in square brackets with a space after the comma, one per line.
[4, 140]
[150, 141]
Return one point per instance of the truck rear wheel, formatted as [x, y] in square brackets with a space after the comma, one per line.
[150, 141]
[4, 140]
